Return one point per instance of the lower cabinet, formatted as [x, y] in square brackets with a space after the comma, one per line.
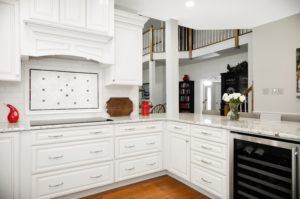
[210, 181]
[138, 166]
[63, 182]
[9, 166]
[179, 155]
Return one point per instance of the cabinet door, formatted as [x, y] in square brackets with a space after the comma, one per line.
[72, 12]
[179, 155]
[8, 172]
[128, 56]
[100, 15]
[9, 40]
[45, 10]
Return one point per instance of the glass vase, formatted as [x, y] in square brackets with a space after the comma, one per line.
[234, 111]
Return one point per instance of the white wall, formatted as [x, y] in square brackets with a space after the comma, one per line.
[210, 68]
[159, 95]
[274, 65]
[15, 93]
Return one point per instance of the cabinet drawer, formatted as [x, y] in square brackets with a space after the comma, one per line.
[178, 127]
[137, 128]
[71, 134]
[208, 133]
[210, 148]
[135, 145]
[215, 164]
[138, 166]
[209, 181]
[55, 184]
[59, 156]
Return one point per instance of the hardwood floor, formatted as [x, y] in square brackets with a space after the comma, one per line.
[163, 187]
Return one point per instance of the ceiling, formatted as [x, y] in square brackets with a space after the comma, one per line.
[215, 14]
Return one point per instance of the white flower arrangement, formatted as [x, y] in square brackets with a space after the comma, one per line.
[236, 98]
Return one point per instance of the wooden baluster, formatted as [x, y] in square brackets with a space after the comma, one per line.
[236, 39]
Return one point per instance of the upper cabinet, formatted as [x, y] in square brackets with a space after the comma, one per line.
[127, 69]
[73, 12]
[82, 28]
[10, 64]
[45, 10]
[99, 17]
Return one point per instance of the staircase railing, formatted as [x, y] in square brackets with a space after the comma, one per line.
[249, 92]
[188, 39]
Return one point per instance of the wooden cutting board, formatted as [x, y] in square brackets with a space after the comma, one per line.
[119, 106]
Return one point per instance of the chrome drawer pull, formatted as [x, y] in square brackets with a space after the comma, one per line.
[205, 133]
[206, 148]
[130, 129]
[178, 128]
[206, 181]
[151, 127]
[130, 169]
[98, 151]
[206, 162]
[150, 143]
[96, 133]
[129, 146]
[55, 136]
[56, 185]
[98, 176]
[151, 164]
[56, 157]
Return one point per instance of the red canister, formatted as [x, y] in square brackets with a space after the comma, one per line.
[145, 108]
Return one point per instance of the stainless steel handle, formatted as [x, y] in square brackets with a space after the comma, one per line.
[206, 148]
[130, 169]
[204, 180]
[56, 185]
[205, 133]
[129, 146]
[98, 176]
[151, 127]
[178, 128]
[55, 136]
[130, 129]
[56, 157]
[294, 172]
[206, 162]
[151, 164]
[96, 133]
[150, 143]
[98, 151]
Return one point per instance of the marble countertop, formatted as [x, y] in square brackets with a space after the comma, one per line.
[287, 130]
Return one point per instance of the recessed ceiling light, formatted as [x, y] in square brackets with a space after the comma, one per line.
[189, 4]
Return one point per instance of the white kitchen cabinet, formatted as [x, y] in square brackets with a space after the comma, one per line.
[9, 168]
[100, 16]
[47, 10]
[10, 64]
[127, 69]
[179, 155]
[72, 12]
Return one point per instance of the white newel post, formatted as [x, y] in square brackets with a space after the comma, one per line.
[152, 82]
[172, 68]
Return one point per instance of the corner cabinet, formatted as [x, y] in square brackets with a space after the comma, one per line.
[9, 169]
[127, 69]
[10, 65]
[81, 28]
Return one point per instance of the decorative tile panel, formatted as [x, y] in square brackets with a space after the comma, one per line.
[63, 90]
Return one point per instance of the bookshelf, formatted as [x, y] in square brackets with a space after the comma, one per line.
[186, 97]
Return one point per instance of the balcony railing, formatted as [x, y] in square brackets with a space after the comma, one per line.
[188, 39]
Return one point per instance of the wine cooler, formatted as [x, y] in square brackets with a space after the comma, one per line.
[263, 168]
